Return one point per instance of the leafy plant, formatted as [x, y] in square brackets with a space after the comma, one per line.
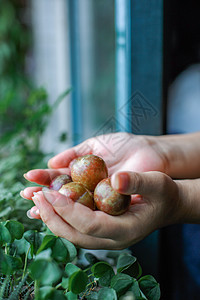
[24, 114]
[44, 266]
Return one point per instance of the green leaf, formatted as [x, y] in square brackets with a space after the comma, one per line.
[47, 272]
[107, 293]
[150, 287]
[71, 296]
[45, 254]
[128, 264]
[65, 283]
[91, 258]
[4, 264]
[9, 264]
[21, 246]
[15, 262]
[135, 288]
[45, 292]
[34, 238]
[71, 269]
[105, 280]
[124, 261]
[104, 272]
[70, 247]
[16, 229]
[48, 242]
[5, 236]
[100, 268]
[59, 251]
[50, 293]
[121, 283]
[5, 211]
[78, 282]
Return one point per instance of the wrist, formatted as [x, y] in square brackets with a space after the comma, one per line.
[181, 154]
[189, 201]
[173, 155]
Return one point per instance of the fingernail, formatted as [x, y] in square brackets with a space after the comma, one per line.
[22, 194]
[120, 181]
[28, 213]
[49, 164]
[25, 176]
[48, 195]
[34, 211]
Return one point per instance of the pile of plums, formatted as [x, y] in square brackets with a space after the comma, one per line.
[90, 185]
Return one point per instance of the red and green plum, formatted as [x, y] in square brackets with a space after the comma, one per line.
[110, 201]
[78, 193]
[89, 170]
[59, 181]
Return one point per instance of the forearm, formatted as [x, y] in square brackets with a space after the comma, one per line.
[189, 201]
[182, 154]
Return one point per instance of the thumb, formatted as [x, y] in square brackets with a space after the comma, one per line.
[144, 183]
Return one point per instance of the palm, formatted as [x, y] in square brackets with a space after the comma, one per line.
[126, 152]
[121, 152]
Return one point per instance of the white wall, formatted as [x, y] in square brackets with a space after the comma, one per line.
[52, 65]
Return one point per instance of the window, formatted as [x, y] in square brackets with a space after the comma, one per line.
[110, 53]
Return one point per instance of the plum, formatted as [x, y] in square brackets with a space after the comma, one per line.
[78, 193]
[59, 181]
[109, 200]
[89, 170]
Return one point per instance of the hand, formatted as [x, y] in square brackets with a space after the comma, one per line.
[158, 205]
[121, 152]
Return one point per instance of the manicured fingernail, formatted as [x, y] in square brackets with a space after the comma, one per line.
[120, 181]
[25, 175]
[48, 195]
[49, 163]
[35, 211]
[22, 194]
[28, 213]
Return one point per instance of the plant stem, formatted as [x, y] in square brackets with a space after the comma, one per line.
[25, 262]
[87, 269]
[91, 283]
[36, 288]
[58, 285]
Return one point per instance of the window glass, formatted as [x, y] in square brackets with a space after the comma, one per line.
[97, 63]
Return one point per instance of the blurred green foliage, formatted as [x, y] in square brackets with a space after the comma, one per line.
[24, 113]
[46, 267]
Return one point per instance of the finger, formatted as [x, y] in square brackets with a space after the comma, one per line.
[87, 221]
[44, 176]
[28, 192]
[147, 183]
[63, 159]
[33, 213]
[60, 228]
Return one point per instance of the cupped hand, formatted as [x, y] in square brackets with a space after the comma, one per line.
[156, 207]
[121, 151]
